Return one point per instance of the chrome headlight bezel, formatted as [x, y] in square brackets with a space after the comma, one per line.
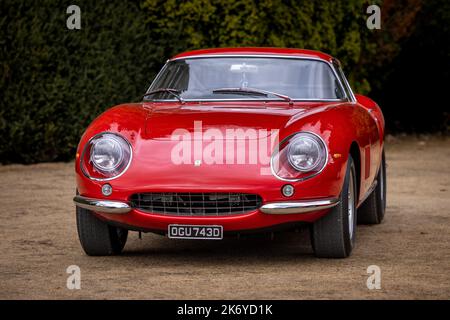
[282, 168]
[91, 157]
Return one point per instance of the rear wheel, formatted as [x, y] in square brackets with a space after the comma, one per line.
[333, 236]
[97, 237]
[373, 209]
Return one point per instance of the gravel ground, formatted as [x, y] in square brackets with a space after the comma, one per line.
[411, 246]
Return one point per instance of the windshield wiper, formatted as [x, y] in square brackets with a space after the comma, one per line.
[174, 92]
[253, 91]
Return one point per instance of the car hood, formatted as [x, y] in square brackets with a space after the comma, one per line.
[149, 128]
[223, 120]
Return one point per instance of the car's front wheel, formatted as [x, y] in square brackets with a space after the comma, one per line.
[333, 235]
[97, 237]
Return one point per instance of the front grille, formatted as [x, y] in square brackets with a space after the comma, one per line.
[196, 204]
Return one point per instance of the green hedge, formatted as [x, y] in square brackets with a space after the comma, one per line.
[55, 81]
[335, 27]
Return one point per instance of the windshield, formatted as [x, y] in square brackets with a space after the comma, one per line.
[207, 78]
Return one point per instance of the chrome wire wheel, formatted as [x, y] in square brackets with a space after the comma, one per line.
[351, 206]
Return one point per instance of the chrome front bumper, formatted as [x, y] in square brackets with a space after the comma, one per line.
[106, 206]
[293, 207]
[285, 207]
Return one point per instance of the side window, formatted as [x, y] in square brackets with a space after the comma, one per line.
[338, 90]
[343, 80]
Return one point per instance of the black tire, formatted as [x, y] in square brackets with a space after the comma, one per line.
[97, 237]
[373, 208]
[330, 235]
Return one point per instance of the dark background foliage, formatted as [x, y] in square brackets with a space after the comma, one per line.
[54, 81]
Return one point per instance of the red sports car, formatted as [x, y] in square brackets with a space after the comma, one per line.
[232, 141]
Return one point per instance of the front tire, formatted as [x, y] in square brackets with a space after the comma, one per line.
[97, 237]
[373, 209]
[333, 235]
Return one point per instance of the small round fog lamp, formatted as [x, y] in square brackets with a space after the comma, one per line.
[287, 190]
[106, 189]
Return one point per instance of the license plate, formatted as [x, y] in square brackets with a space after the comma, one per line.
[182, 231]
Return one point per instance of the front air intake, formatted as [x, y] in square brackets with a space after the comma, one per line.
[196, 204]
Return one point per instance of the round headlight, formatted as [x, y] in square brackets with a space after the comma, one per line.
[107, 153]
[106, 156]
[307, 152]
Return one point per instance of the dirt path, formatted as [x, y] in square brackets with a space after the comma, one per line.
[412, 245]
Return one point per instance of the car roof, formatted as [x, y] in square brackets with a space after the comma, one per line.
[301, 53]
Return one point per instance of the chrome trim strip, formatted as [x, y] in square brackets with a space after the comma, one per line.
[262, 55]
[105, 206]
[353, 98]
[338, 71]
[293, 207]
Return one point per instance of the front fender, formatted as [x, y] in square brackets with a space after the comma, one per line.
[340, 126]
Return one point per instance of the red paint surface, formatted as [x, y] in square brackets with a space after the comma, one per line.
[256, 51]
[148, 127]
